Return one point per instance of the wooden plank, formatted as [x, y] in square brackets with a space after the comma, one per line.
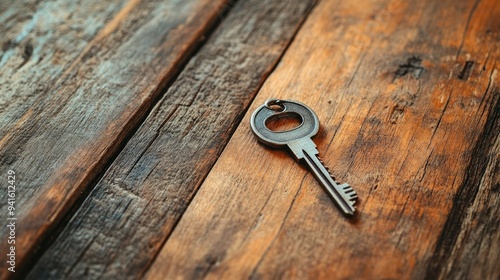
[400, 118]
[124, 222]
[39, 44]
[469, 245]
[61, 133]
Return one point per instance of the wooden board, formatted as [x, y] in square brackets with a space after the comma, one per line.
[126, 219]
[469, 245]
[74, 86]
[407, 93]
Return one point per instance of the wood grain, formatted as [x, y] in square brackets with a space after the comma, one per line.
[124, 222]
[37, 48]
[402, 108]
[86, 86]
[469, 245]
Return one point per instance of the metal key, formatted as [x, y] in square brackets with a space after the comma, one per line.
[299, 141]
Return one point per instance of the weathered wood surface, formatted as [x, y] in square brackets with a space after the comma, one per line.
[469, 246]
[76, 79]
[407, 92]
[408, 97]
[123, 224]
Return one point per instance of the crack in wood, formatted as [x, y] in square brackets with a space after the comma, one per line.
[26, 55]
[466, 71]
[467, 23]
[438, 123]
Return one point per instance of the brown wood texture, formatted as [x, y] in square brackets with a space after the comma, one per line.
[76, 80]
[113, 120]
[124, 222]
[469, 246]
[407, 93]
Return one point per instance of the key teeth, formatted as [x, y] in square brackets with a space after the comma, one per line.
[350, 193]
[353, 201]
[345, 188]
[354, 197]
[333, 177]
[326, 167]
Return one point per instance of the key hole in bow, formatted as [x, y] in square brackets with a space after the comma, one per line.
[284, 122]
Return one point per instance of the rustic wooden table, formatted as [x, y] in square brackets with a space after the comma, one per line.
[124, 127]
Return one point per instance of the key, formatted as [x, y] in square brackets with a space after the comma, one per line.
[299, 141]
